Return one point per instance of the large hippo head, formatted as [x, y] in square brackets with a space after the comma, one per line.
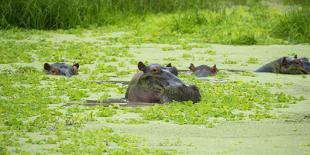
[286, 65]
[203, 70]
[156, 84]
[61, 69]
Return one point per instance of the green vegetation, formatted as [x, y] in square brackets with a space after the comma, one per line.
[244, 22]
[27, 107]
[252, 60]
[230, 61]
[44, 114]
[58, 14]
[239, 100]
[247, 74]
[32, 102]
[294, 26]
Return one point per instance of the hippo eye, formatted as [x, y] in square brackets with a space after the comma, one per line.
[297, 62]
[54, 71]
[155, 70]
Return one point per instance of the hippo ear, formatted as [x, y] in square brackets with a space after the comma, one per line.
[284, 61]
[192, 67]
[76, 65]
[169, 65]
[214, 69]
[141, 66]
[47, 66]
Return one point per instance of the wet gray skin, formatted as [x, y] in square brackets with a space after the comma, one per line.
[306, 64]
[203, 70]
[287, 65]
[61, 69]
[155, 84]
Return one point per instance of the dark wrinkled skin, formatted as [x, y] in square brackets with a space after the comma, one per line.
[155, 84]
[287, 65]
[61, 69]
[203, 70]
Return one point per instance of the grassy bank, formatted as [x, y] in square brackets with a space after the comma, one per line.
[228, 22]
[48, 14]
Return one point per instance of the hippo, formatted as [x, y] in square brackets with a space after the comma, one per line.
[61, 69]
[203, 70]
[171, 69]
[156, 84]
[306, 64]
[287, 65]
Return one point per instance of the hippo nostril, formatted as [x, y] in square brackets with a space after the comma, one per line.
[53, 71]
[194, 87]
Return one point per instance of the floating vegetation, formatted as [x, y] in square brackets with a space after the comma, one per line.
[247, 74]
[227, 61]
[238, 101]
[252, 61]
[52, 114]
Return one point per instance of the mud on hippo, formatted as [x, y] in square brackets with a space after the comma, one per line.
[157, 84]
[61, 69]
[287, 65]
[203, 70]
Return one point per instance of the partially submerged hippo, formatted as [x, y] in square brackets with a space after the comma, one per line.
[171, 69]
[306, 64]
[287, 65]
[156, 84]
[61, 69]
[203, 70]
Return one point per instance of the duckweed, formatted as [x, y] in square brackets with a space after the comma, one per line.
[34, 110]
[238, 101]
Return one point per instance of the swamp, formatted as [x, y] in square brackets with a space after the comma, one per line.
[240, 111]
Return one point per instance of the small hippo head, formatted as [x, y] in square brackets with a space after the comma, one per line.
[289, 65]
[306, 64]
[61, 69]
[203, 70]
[171, 69]
[155, 84]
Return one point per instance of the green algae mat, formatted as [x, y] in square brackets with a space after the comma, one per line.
[240, 112]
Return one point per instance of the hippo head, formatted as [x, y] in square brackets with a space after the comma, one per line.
[61, 69]
[203, 70]
[155, 84]
[306, 64]
[171, 69]
[289, 65]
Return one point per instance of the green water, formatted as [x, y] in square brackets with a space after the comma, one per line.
[287, 134]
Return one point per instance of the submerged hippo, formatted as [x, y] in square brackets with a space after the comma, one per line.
[306, 64]
[61, 69]
[156, 84]
[171, 69]
[287, 65]
[203, 70]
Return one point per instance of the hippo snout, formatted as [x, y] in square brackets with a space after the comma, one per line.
[194, 93]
